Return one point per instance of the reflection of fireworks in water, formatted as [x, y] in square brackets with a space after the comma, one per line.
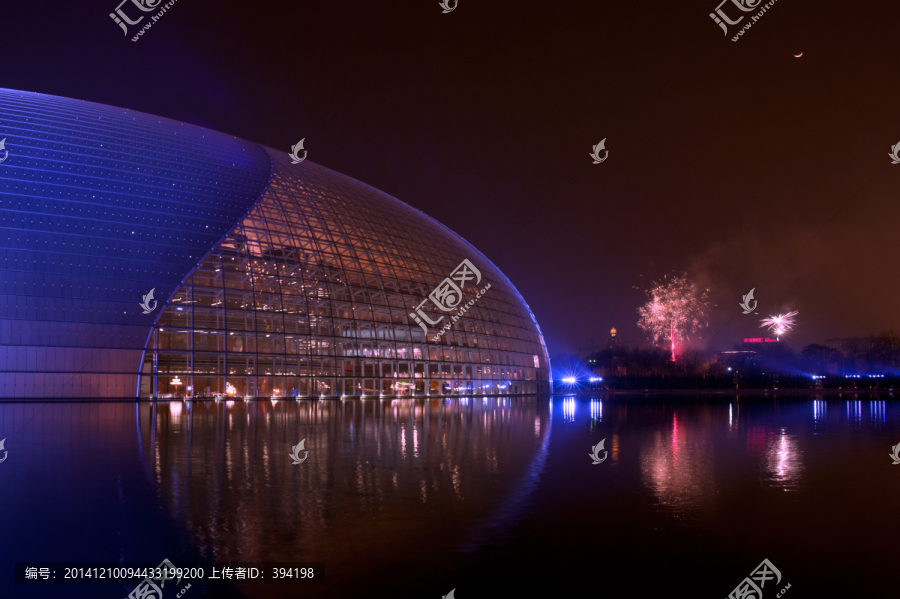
[677, 467]
[781, 323]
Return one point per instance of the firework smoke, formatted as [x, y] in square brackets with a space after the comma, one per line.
[674, 311]
[781, 323]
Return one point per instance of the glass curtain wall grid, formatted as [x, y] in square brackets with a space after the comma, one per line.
[311, 294]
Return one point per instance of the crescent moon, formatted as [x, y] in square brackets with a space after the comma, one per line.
[798, 55]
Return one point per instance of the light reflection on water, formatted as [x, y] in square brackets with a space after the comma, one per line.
[569, 409]
[854, 413]
[414, 481]
[677, 467]
[175, 410]
[386, 442]
[597, 410]
[784, 461]
[376, 472]
[820, 413]
[877, 416]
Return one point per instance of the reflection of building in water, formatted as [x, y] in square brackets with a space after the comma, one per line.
[512, 506]
[677, 466]
[227, 476]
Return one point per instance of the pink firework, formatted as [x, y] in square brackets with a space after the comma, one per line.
[674, 312]
[780, 323]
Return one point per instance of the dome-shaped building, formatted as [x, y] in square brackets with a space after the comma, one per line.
[149, 258]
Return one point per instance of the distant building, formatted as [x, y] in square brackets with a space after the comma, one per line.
[612, 342]
[849, 344]
[736, 358]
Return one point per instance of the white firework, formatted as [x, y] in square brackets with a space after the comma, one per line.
[780, 323]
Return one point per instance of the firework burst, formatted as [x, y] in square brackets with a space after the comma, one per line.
[674, 312]
[780, 323]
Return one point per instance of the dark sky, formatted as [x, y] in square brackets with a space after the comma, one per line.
[732, 161]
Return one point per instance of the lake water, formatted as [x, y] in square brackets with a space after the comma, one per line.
[491, 497]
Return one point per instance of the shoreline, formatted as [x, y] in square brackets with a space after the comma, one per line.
[731, 392]
[578, 392]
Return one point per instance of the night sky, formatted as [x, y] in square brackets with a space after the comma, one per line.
[732, 161]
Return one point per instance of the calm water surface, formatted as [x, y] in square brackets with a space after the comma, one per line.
[493, 497]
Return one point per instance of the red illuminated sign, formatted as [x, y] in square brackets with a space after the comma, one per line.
[759, 340]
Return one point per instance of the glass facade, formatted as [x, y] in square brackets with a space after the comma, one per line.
[311, 295]
[272, 279]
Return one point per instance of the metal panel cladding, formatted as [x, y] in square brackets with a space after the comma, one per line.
[99, 205]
